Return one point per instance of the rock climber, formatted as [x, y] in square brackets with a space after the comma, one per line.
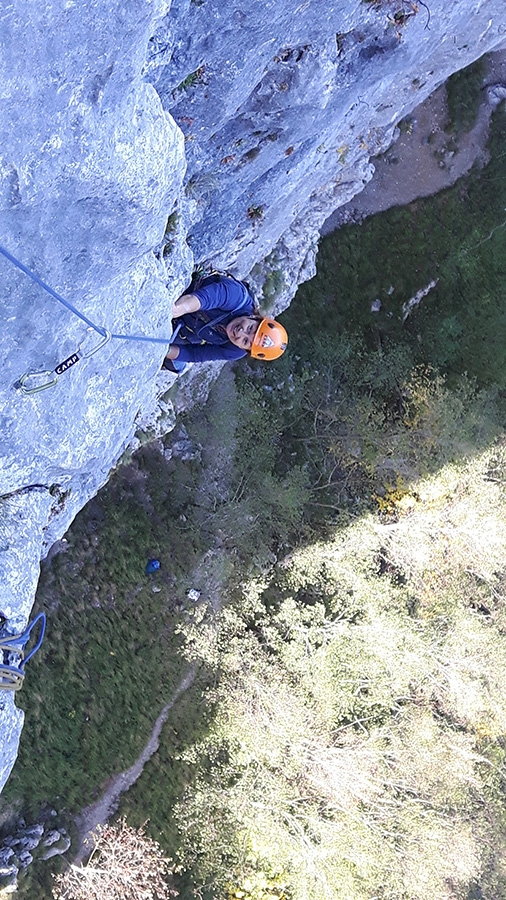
[219, 319]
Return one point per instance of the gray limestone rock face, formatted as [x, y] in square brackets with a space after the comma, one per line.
[10, 886]
[25, 858]
[7, 872]
[90, 167]
[284, 105]
[17, 850]
[52, 837]
[11, 719]
[246, 124]
[5, 855]
[97, 165]
[57, 848]
[27, 839]
[496, 93]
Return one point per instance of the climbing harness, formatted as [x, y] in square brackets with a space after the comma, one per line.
[207, 321]
[202, 279]
[30, 382]
[12, 675]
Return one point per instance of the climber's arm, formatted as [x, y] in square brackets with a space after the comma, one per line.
[188, 303]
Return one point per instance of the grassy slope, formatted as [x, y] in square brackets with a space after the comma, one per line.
[110, 656]
[458, 237]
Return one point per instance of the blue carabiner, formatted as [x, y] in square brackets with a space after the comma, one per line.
[16, 643]
[41, 617]
[13, 676]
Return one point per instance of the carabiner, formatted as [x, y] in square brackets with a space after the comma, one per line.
[20, 385]
[12, 676]
[106, 337]
[61, 367]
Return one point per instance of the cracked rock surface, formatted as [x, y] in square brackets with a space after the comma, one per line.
[242, 126]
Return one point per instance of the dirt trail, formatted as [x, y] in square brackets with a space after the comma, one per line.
[207, 579]
[420, 163]
[99, 812]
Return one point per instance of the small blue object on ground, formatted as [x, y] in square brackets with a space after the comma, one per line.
[152, 566]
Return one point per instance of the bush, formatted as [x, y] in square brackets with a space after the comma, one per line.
[125, 864]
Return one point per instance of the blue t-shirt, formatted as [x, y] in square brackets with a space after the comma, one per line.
[202, 335]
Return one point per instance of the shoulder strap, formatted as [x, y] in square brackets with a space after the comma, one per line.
[201, 280]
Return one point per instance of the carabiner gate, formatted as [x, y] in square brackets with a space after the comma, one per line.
[85, 355]
[61, 367]
[21, 384]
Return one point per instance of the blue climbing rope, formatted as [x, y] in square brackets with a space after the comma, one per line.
[42, 284]
[100, 329]
[46, 378]
[12, 676]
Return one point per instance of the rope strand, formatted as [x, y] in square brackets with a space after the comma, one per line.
[98, 328]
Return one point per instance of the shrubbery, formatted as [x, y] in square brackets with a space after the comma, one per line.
[358, 709]
[124, 864]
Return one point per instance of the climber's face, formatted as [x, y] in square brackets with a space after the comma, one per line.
[242, 330]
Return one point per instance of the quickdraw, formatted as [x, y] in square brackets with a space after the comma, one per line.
[30, 383]
[12, 675]
[50, 376]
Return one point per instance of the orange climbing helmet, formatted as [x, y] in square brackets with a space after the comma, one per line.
[270, 340]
